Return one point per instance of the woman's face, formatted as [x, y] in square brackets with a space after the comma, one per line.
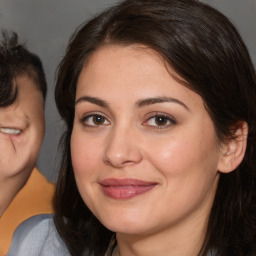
[144, 149]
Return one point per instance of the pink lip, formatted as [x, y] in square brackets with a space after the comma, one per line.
[125, 188]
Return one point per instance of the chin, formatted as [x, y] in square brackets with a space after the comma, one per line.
[127, 226]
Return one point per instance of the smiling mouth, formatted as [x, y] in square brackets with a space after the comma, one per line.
[13, 131]
[125, 188]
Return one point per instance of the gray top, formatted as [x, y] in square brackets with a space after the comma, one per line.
[37, 236]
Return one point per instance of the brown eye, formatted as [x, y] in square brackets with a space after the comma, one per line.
[98, 120]
[94, 120]
[161, 120]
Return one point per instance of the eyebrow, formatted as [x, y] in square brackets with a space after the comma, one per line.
[139, 103]
[151, 101]
[93, 100]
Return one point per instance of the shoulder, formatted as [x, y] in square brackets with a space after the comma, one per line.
[37, 236]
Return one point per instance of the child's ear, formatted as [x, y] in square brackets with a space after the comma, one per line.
[233, 151]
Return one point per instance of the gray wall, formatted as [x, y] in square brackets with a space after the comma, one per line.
[45, 26]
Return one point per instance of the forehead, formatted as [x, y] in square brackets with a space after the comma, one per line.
[137, 51]
[134, 72]
[24, 82]
[28, 91]
[116, 62]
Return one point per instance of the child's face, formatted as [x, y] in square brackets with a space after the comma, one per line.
[144, 149]
[21, 131]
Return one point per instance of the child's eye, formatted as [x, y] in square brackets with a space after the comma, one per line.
[159, 121]
[95, 120]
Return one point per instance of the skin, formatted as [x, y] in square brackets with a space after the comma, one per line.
[21, 135]
[181, 156]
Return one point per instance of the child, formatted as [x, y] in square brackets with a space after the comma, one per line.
[22, 96]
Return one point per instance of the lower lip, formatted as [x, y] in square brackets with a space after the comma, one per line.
[126, 192]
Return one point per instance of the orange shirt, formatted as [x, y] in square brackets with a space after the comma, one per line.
[34, 198]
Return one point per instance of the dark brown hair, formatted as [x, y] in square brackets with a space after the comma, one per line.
[206, 51]
[16, 60]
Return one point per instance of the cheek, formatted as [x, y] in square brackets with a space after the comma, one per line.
[34, 133]
[85, 154]
[39, 120]
[7, 152]
[188, 167]
[39, 134]
[185, 153]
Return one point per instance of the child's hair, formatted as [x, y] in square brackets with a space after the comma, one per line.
[16, 60]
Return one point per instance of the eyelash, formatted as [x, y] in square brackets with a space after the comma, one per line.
[166, 120]
[85, 119]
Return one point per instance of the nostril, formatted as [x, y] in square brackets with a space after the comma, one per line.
[122, 148]
[128, 158]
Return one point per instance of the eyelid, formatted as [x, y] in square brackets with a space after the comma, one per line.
[93, 114]
[169, 118]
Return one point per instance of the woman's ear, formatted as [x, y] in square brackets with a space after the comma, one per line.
[233, 151]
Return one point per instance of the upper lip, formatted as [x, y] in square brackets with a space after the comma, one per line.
[126, 182]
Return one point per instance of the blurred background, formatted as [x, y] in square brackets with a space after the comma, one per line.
[45, 27]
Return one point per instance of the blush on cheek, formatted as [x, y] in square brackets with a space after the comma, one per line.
[83, 165]
[175, 157]
[85, 156]
[13, 138]
[17, 138]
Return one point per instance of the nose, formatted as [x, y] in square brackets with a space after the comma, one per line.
[122, 148]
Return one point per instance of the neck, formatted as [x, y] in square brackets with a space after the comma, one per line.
[179, 242]
[186, 237]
